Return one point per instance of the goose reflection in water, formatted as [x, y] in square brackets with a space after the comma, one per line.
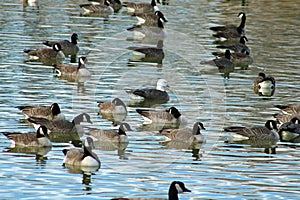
[39, 152]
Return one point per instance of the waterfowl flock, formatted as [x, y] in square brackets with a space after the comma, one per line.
[51, 125]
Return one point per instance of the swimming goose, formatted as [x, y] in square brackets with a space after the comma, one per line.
[110, 135]
[149, 94]
[114, 110]
[46, 55]
[63, 126]
[82, 157]
[168, 116]
[71, 70]
[238, 59]
[290, 130]
[68, 47]
[289, 109]
[40, 138]
[231, 31]
[284, 118]
[143, 31]
[148, 54]
[150, 19]
[115, 4]
[101, 9]
[175, 188]
[240, 47]
[185, 135]
[267, 132]
[141, 7]
[48, 112]
[264, 85]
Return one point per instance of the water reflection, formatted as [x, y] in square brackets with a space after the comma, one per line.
[39, 152]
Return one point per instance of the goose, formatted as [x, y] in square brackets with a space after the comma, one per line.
[114, 110]
[284, 118]
[185, 135]
[71, 70]
[111, 135]
[48, 112]
[63, 126]
[290, 130]
[82, 157]
[231, 31]
[40, 138]
[150, 19]
[142, 31]
[289, 109]
[168, 116]
[176, 187]
[264, 85]
[148, 54]
[238, 59]
[150, 94]
[267, 132]
[46, 55]
[68, 47]
[141, 7]
[101, 9]
[240, 47]
[115, 4]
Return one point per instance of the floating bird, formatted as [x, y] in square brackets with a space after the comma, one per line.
[231, 31]
[150, 19]
[168, 116]
[46, 55]
[176, 188]
[238, 59]
[48, 112]
[148, 54]
[71, 70]
[115, 4]
[40, 138]
[267, 132]
[264, 85]
[290, 130]
[289, 109]
[240, 47]
[185, 135]
[159, 94]
[141, 7]
[67, 47]
[82, 157]
[114, 110]
[101, 9]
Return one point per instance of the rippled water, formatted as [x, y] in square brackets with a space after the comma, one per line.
[214, 170]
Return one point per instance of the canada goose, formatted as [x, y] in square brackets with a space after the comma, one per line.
[82, 157]
[46, 55]
[63, 126]
[158, 94]
[148, 54]
[48, 112]
[267, 132]
[115, 4]
[67, 47]
[168, 116]
[238, 59]
[240, 47]
[101, 9]
[175, 188]
[185, 135]
[284, 118]
[150, 19]
[111, 135]
[289, 109]
[71, 70]
[290, 130]
[143, 31]
[231, 31]
[264, 85]
[114, 110]
[40, 138]
[141, 7]
[224, 64]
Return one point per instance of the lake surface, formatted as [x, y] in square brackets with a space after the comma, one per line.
[214, 170]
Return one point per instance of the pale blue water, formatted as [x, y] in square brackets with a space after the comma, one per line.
[147, 167]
